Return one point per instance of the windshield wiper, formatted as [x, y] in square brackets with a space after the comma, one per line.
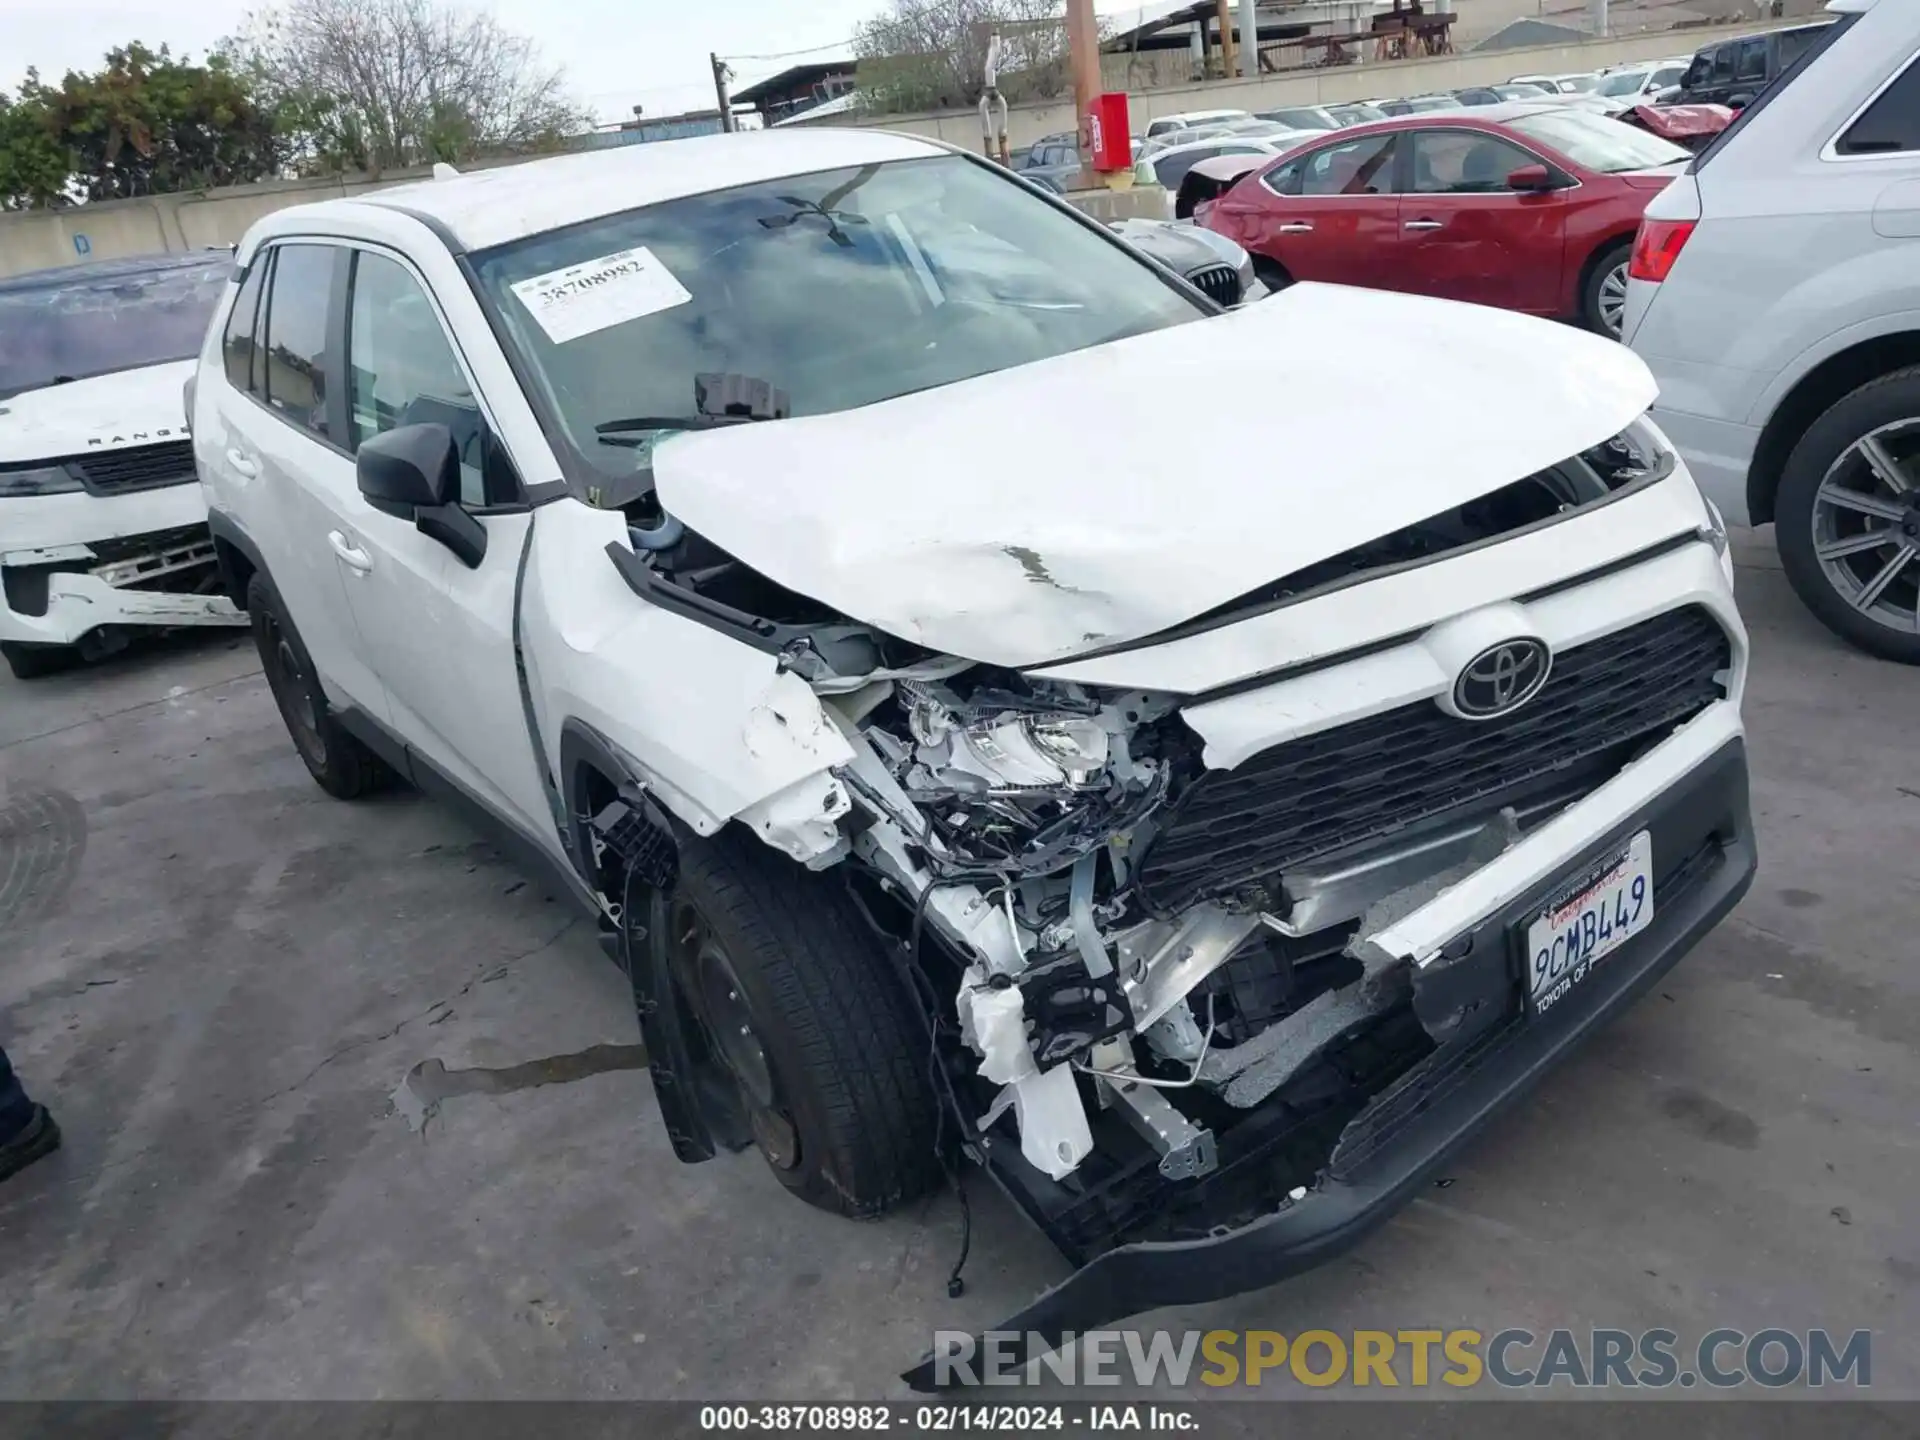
[617, 432]
[719, 399]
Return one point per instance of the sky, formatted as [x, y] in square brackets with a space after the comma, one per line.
[617, 53]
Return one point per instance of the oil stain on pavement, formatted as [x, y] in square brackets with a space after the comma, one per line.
[420, 1094]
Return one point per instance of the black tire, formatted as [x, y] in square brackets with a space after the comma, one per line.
[845, 1114]
[1271, 273]
[1597, 302]
[1823, 451]
[339, 764]
[34, 662]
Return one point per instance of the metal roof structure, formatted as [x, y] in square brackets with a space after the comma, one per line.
[839, 105]
[792, 77]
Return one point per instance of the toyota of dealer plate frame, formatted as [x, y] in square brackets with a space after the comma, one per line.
[1206, 838]
[102, 524]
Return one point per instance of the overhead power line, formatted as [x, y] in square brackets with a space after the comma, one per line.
[843, 45]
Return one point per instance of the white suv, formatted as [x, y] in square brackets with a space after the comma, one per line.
[1205, 835]
[102, 528]
[1775, 293]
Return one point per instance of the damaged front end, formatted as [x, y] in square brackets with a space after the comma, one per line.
[1213, 979]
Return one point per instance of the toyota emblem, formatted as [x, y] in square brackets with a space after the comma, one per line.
[1501, 678]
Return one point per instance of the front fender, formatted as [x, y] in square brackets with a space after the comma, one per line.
[711, 728]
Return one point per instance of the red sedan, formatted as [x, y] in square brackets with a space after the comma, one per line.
[1528, 206]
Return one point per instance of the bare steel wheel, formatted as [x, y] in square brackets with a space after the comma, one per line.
[795, 999]
[700, 958]
[1848, 515]
[338, 762]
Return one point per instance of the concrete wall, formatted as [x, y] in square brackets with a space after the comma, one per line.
[35, 240]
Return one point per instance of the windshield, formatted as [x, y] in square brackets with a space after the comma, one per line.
[1596, 142]
[1623, 82]
[841, 288]
[1302, 117]
[75, 327]
[1579, 84]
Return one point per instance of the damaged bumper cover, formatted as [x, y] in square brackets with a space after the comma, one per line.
[58, 595]
[1690, 794]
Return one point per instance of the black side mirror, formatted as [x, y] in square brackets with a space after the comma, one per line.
[409, 467]
[412, 472]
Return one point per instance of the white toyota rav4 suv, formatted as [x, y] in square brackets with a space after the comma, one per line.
[102, 528]
[1205, 835]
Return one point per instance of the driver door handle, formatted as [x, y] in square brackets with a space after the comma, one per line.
[351, 555]
[1298, 227]
[1425, 224]
[242, 465]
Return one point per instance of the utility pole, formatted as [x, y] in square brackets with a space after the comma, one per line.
[1083, 54]
[1250, 38]
[720, 93]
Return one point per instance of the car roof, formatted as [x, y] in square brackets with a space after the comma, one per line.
[1265, 142]
[1463, 119]
[492, 207]
[113, 269]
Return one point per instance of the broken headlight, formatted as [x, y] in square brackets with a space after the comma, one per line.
[1008, 753]
[1637, 453]
[1017, 776]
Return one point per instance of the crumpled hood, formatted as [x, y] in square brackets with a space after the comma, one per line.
[106, 412]
[1105, 495]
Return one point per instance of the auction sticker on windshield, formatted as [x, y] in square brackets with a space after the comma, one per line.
[601, 293]
[1607, 908]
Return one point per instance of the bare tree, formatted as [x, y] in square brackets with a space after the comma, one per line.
[373, 84]
[932, 54]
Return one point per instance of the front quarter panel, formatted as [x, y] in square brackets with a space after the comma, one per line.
[712, 725]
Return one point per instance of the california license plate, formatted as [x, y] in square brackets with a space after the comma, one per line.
[1607, 908]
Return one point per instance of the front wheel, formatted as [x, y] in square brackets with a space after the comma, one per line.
[1603, 304]
[806, 1014]
[1847, 517]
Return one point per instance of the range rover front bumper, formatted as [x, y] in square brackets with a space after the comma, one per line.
[72, 565]
[1690, 792]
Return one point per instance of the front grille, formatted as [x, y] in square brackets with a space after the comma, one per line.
[1362, 782]
[140, 467]
[1219, 283]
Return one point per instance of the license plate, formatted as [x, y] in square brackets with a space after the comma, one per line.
[1607, 908]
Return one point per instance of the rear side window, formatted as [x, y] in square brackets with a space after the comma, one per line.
[238, 344]
[1751, 63]
[1891, 123]
[1722, 71]
[1795, 43]
[295, 361]
[1359, 167]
